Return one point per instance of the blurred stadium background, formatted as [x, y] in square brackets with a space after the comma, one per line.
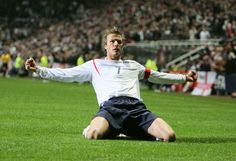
[171, 36]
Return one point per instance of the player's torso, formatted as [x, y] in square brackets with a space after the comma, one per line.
[115, 78]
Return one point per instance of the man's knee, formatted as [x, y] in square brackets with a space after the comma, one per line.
[170, 137]
[162, 131]
[94, 134]
[97, 129]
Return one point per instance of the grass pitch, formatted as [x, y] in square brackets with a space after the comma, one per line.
[44, 121]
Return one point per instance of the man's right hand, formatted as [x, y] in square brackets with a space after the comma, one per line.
[30, 65]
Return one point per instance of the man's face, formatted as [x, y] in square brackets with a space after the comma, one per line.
[114, 46]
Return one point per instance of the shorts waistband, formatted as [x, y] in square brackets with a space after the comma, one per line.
[123, 97]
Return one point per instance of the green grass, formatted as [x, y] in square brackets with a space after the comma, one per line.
[44, 121]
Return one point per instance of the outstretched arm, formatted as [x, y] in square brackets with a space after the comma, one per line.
[165, 78]
[80, 73]
[168, 78]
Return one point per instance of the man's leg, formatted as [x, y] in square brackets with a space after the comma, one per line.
[161, 130]
[98, 128]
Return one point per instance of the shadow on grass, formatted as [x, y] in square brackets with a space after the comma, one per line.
[206, 140]
[130, 138]
[197, 140]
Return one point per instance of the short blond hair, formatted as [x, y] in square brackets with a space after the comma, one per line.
[113, 30]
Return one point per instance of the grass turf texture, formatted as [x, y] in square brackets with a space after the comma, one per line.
[44, 121]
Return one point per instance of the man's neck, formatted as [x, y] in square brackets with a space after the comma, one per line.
[108, 58]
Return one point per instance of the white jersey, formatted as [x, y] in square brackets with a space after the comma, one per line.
[110, 78]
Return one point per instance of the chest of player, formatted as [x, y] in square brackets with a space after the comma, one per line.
[117, 72]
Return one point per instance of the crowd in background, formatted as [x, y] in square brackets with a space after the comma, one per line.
[79, 30]
[65, 31]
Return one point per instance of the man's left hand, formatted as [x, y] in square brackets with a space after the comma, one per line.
[191, 76]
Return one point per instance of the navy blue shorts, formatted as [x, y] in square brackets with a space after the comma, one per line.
[128, 116]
